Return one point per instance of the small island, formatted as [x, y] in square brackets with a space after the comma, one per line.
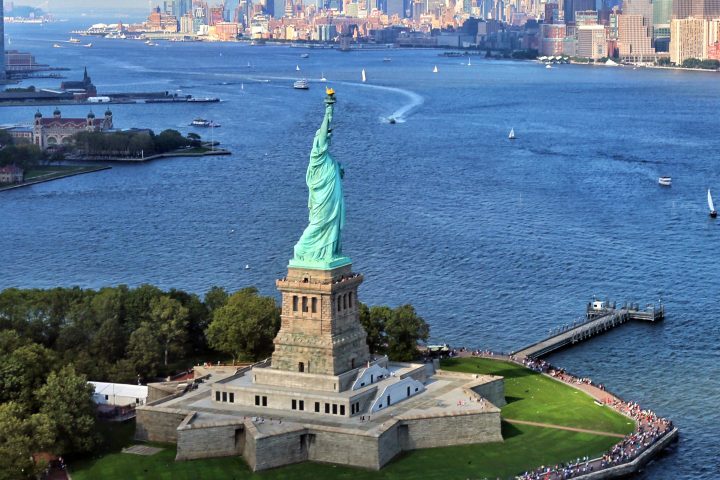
[53, 146]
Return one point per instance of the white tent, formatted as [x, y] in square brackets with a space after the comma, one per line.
[119, 394]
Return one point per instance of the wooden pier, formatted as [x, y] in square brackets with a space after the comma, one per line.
[599, 318]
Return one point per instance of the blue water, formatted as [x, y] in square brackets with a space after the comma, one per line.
[494, 242]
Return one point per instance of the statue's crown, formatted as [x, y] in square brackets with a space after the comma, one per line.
[329, 91]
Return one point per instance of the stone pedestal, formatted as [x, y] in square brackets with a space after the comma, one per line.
[320, 331]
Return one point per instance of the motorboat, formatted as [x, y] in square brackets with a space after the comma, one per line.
[201, 122]
[392, 121]
[73, 40]
[55, 45]
[301, 85]
[88, 45]
[305, 55]
[665, 181]
[547, 65]
[713, 212]
[387, 59]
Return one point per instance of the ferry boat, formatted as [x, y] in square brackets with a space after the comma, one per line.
[301, 85]
[665, 181]
[201, 122]
[203, 100]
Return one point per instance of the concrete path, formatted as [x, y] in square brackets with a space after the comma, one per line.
[561, 427]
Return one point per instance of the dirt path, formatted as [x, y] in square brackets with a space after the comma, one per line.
[561, 427]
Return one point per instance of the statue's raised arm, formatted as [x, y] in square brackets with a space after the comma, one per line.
[320, 245]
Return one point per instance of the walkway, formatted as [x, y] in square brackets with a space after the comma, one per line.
[561, 427]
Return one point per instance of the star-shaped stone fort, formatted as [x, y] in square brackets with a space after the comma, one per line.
[322, 396]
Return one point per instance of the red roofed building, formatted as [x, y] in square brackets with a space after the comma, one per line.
[11, 174]
[50, 132]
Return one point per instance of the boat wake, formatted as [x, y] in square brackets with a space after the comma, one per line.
[400, 115]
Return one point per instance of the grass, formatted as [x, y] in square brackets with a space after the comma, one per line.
[531, 397]
[54, 171]
[536, 398]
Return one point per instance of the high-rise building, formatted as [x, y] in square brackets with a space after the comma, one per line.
[183, 7]
[634, 36]
[694, 38]
[592, 41]
[2, 42]
[709, 9]
[231, 7]
[641, 7]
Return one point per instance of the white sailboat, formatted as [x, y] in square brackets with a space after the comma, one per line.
[511, 135]
[713, 212]
[364, 79]
[322, 77]
[297, 67]
[468, 64]
[435, 70]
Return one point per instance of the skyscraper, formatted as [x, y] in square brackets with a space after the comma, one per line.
[707, 9]
[230, 9]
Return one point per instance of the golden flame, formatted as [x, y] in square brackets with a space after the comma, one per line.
[329, 91]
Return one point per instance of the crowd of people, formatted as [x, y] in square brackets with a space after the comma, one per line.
[649, 428]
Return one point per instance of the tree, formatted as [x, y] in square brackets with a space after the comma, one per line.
[66, 400]
[22, 435]
[374, 320]
[404, 329]
[245, 326]
[168, 319]
[215, 298]
[22, 372]
[144, 351]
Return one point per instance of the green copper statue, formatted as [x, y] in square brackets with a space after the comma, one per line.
[320, 246]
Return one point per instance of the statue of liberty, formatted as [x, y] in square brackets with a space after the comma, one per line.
[320, 245]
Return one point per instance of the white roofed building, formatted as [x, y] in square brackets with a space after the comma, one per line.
[119, 394]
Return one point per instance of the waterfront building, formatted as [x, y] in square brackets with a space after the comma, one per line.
[51, 132]
[591, 41]
[20, 62]
[694, 38]
[81, 89]
[634, 37]
[11, 174]
[226, 31]
[553, 38]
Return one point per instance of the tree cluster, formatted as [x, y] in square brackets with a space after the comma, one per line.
[395, 332]
[24, 155]
[703, 64]
[131, 143]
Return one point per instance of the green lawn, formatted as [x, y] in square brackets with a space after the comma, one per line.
[534, 397]
[53, 171]
[530, 396]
